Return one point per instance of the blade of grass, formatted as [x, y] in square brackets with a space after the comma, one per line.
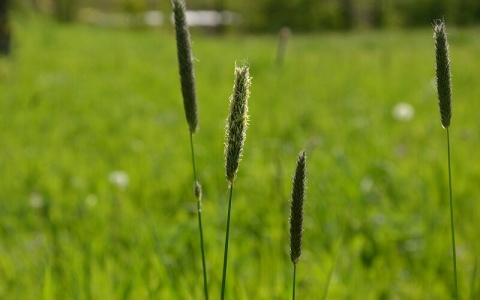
[330, 275]
[473, 281]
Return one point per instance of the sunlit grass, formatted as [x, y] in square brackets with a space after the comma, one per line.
[80, 102]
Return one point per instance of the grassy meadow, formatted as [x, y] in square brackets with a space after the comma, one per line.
[83, 109]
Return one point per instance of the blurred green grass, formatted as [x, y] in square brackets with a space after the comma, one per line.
[79, 103]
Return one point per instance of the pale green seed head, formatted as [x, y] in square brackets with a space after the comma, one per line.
[237, 122]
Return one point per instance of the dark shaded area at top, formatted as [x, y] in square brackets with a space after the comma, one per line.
[300, 15]
[4, 28]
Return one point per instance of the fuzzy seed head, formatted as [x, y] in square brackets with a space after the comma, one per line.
[185, 64]
[444, 85]
[237, 122]
[296, 208]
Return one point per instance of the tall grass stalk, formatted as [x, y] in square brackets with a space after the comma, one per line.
[235, 135]
[187, 80]
[296, 214]
[198, 196]
[444, 91]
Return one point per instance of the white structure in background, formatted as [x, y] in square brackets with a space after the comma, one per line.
[155, 18]
[211, 18]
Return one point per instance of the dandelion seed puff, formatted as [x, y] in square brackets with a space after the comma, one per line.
[403, 111]
[36, 201]
[119, 179]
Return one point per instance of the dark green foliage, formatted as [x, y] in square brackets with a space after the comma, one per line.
[308, 15]
[65, 10]
[5, 35]
[296, 208]
[185, 63]
[444, 85]
[300, 15]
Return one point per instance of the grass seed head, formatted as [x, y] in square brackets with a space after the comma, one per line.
[444, 85]
[296, 208]
[185, 63]
[237, 122]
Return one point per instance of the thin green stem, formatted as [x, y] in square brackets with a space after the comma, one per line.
[452, 224]
[294, 278]
[200, 227]
[193, 158]
[205, 287]
[225, 255]
[335, 259]
[473, 280]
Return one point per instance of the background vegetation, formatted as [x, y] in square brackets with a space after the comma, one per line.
[305, 15]
[82, 109]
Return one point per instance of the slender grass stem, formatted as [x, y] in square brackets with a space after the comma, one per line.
[294, 279]
[452, 223]
[225, 255]
[200, 227]
[330, 275]
[193, 158]
[205, 287]
[473, 280]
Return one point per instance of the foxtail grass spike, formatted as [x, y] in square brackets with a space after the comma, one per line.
[185, 63]
[296, 208]
[237, 122]
[444, 85]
